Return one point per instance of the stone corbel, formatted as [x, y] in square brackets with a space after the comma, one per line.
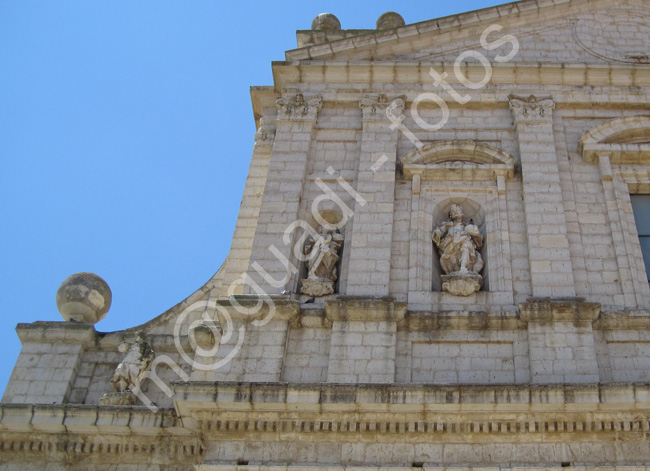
[376, 107]
[531, 109]
[298, 107]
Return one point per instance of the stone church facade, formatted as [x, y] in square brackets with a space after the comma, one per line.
[438, 263]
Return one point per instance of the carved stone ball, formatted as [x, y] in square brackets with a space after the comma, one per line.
[326, 22]
[84, 297]
[390, 20]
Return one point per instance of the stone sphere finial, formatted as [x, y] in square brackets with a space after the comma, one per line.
[84, 297]
[326, 22]
[390, 20]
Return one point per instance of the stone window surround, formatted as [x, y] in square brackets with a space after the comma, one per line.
[622, 153]
[471, 171]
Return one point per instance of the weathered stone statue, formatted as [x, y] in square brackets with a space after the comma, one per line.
[459, 244]
[129, 374]
[323, 251]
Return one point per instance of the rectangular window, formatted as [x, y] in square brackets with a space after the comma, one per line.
[641, 208]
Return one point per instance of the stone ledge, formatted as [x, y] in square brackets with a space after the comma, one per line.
[357, 308]
[89, 419]
[467, 413]
[277, 306]
[547, 310]
[623, 320]
[464, 320]
[64, 433]
[81, 333]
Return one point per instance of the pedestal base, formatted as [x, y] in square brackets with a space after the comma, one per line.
[317, 288]
[462, 284]
[126, 398]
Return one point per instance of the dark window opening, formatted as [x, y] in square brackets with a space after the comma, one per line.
[641, 209]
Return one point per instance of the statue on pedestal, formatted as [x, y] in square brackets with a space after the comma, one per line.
[459, 244]
[323, 251]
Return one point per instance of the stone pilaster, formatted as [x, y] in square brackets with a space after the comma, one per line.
[548, 245]
[47, 366]
[364, 339]
[561, 340]
[372, 227]
[274, 268]
[614, 201]
[242, 240]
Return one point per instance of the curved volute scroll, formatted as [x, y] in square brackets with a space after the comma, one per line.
[622, 140]
[458, 160]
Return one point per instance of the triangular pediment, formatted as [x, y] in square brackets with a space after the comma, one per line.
[577, 31]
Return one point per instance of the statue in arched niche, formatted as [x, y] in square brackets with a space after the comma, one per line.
[459, 244]
[323, 251]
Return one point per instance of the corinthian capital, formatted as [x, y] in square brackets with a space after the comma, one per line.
[298, 107]
[531, 109]
[376, 107]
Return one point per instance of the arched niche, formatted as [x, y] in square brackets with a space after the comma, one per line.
[471, 210]
[330, 217]
[622, 140]
[474, 175]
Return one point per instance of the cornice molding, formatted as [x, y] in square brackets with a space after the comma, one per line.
[465, 412]
[95, 434]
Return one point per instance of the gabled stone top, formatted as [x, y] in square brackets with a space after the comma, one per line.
[327, 28]
[317, 44]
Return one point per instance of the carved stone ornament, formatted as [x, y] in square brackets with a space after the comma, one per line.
[377, 107]
[130, 373]
[531, 109]
[265, 135]
[297, 106]
[323, 251]
[459, 244]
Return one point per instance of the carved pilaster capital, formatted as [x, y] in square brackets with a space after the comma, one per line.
[531, 109]
[296, 107]
[377, 106]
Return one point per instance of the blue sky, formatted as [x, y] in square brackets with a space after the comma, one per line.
[126, 132]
